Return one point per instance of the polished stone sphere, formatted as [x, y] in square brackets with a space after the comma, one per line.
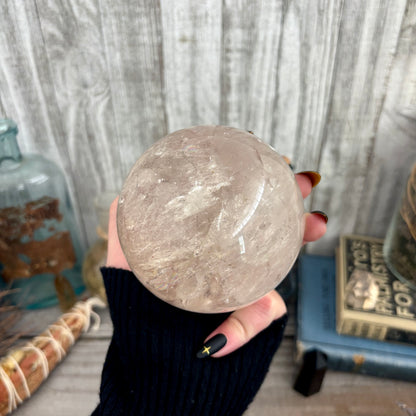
[210, 219]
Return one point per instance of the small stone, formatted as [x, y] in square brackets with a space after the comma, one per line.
[312, 373]
[210, 219]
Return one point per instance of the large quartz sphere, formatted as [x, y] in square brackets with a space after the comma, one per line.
[210, 219]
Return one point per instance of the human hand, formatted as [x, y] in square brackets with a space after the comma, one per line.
[245, 323]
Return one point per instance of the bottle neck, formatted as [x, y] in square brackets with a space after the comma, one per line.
[10, 156]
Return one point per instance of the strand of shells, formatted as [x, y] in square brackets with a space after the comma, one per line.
[24, 369]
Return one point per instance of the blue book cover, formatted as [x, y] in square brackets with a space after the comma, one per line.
[316, 329]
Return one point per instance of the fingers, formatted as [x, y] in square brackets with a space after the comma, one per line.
[115, 255]
[245, 323]
[306, 181]
[242, 325]
[315, 226]
[112, 217]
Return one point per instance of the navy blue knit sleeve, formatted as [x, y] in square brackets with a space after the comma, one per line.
[151, 366]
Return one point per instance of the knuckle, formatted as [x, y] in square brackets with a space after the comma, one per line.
[239, 327]
[246, 323]
[271, 306]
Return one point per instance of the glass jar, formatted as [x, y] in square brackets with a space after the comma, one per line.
[400, 244]
[40, 251]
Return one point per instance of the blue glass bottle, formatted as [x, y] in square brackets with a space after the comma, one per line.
[40, 251]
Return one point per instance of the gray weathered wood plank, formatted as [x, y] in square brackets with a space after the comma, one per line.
[27, 94]
[341, 393]
[308, 81]
[72, 36]
[93, 84]
[368, 38]
[133, 49]
[191, 62]
[395, 139]
[249, 65]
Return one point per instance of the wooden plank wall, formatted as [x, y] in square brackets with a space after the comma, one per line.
[329, 83]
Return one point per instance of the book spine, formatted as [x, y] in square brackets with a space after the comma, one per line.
[379, 332]
[362, 329]
[363, 361]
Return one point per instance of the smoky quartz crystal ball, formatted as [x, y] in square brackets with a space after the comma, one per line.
[210, 219]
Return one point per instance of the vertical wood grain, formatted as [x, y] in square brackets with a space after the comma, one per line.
[310, 79]
[71, 32]
[249, 65]
[28, 96]
[26, 93]
[278, 63]
[191, 62]
[395, 145]
[285, 110]
[366, 45]
[133, 47]
[2, 110]
[94, 83]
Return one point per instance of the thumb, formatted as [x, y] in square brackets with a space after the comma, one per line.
[242, 325]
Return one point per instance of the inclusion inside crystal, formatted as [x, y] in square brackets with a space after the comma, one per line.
[210, 219]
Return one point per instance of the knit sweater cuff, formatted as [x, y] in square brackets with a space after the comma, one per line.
[152, 369]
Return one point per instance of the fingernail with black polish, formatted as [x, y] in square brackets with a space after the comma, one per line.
[212, 346]
[313, 176]
[322, 214]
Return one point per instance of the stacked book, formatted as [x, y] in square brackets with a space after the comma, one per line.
[371, 301]
[354, 315]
